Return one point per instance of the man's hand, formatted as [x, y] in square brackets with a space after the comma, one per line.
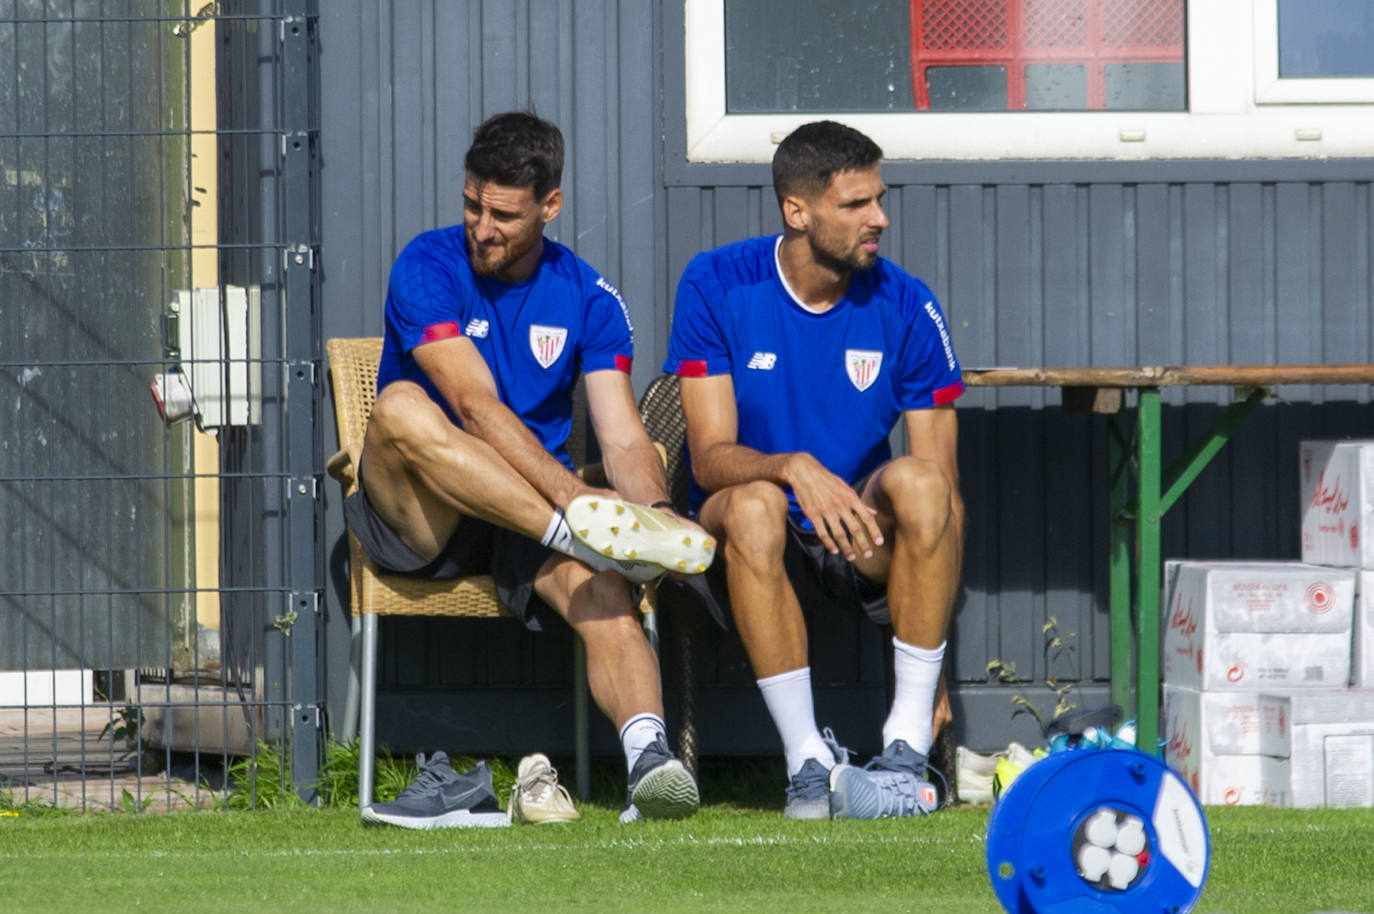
[843, 522]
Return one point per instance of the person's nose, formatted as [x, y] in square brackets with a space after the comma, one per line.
[484, 229]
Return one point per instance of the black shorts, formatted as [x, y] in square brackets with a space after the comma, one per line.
[476, 547]
[815, 573]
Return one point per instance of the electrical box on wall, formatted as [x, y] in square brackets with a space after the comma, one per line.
[216, 336]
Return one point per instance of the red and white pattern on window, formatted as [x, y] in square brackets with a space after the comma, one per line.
[1016, 33]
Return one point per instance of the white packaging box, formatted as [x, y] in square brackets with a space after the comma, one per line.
[1362, 652]
[1336, 485]
[1258, 626]
[45, 688]
[1333, 747]
[1232, 748]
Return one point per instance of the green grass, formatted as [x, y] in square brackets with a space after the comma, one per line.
[727, 858]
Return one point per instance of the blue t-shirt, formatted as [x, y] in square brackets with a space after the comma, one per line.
[832, 384]
[536, 336]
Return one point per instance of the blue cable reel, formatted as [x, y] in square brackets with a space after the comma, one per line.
[1098, 830]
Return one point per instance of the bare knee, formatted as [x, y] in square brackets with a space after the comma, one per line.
[407, 422]
[601, 611]
[921, 499]
[755, 520]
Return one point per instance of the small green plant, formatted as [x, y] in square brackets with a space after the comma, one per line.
[1056, 648]
[264, 781]
[128, 803]
[126, 726]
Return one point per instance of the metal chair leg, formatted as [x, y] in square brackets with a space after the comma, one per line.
[580, 728]
[367, 746]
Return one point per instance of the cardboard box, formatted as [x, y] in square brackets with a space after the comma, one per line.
[1336, 485]
[1251, 626]
[45, 688]
[1232, 748]
[1333, 748]
[1362, 636]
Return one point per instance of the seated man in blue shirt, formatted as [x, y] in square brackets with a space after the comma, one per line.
[465, 465]
[797, 355]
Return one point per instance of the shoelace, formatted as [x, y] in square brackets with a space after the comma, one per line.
[840, 752]
[429, 780]
[539, 784]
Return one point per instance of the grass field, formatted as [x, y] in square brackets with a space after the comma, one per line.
[727, 858]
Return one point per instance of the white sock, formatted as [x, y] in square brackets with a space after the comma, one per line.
[559, 537]
[638, 732]
[788, 697]
[913, 706]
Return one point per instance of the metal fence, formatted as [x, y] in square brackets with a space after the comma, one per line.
[159, 575]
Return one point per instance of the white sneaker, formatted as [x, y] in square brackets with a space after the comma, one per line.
[628, 532]
[974, 772]
[537, 797]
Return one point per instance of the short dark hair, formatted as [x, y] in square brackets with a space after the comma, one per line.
[517, 149]
[812, 154]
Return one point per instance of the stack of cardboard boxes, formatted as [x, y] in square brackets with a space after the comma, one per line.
[1269, 666]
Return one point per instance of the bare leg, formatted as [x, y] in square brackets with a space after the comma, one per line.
[423, 474]
[622, 671]
[922, 517]
[750, 525]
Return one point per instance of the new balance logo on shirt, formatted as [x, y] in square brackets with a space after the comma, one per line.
[764, 361]
[477, 328]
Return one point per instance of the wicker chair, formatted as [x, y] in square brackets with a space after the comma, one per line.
[353, 368]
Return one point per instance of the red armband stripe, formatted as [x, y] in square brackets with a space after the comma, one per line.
[949, 393]
[623, 363]
[445, 331]
[692, 368]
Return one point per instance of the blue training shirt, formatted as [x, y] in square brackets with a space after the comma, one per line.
[535, 336]
[830, 383]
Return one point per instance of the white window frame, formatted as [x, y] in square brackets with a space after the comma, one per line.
[1235, 109]
[1271, 89]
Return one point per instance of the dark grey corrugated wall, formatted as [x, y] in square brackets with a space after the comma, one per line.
[1105, 265]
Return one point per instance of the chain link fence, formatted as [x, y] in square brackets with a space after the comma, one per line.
[159, 375]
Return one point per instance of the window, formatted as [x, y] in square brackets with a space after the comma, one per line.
[1315, 51]
[1036, 79]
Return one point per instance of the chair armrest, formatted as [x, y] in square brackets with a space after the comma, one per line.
[343, 467]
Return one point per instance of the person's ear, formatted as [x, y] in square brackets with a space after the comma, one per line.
[552, 206]
[795, 213]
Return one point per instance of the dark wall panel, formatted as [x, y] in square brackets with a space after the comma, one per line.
[1132, 264]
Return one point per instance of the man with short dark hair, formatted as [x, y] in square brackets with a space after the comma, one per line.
[465, 464]
[797, 355]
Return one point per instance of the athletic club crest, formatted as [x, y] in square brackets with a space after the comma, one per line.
[862, 365]
[547, 343]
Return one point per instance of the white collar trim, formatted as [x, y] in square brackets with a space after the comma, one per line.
[777, 262]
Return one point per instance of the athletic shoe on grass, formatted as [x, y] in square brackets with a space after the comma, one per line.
[537, 797]
[808, 792]
[660, 786]
[892, 784]
[442, 798]
[628, 532]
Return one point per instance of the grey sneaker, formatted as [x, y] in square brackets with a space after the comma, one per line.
[442, 798]
[808, 793]
[660, 786]
[893, 784]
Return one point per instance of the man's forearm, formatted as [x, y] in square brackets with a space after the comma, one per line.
[726, 464]
[636, 472]
[491, 421]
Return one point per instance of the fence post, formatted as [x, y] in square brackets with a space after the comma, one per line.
[302, 389]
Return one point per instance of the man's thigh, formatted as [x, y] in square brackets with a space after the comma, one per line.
[397, 492]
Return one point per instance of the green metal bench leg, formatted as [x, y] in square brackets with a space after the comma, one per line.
[1148, 572]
